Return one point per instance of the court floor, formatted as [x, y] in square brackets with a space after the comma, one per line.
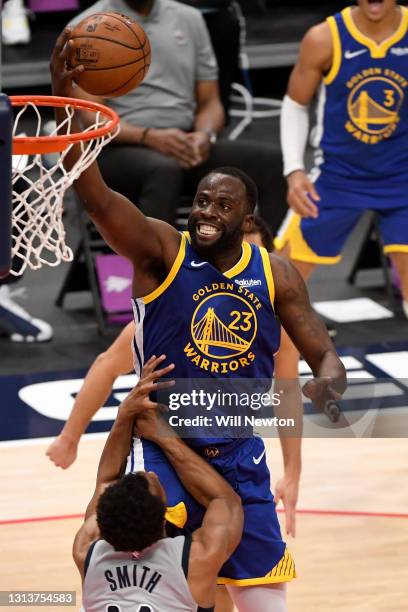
[351, 547]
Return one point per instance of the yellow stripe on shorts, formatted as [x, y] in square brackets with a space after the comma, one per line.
[284, 571]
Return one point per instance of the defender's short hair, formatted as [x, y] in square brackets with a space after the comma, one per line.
[130, 518]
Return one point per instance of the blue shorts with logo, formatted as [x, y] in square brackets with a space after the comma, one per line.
[321, 240]
[262, 556]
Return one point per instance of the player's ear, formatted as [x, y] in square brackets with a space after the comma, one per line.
[248, 224]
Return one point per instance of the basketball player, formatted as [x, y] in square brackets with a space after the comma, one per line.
[358, 60]
[122, 552]
[210, 276]
[117, 360]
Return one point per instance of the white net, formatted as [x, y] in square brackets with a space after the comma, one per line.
[39, 183]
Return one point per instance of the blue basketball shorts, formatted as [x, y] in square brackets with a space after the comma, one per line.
[321, 240]
[262, 556]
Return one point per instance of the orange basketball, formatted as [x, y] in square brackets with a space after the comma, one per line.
[114, 51]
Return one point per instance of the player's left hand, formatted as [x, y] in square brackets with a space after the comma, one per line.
[62, 77]
[321, 390]
[138, 400]
[287, 491]
[201, 147]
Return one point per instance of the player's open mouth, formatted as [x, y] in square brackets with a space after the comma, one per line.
[375, 1]
[205, 230]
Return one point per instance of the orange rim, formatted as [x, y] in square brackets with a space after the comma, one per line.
[26, 145]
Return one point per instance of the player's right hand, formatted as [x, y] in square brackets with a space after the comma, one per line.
[173, 143]
[62, 451]
[302, 194]
[62, 77]
[138, 400]
[324, 395]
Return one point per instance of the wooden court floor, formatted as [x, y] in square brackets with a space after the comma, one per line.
[351, 548]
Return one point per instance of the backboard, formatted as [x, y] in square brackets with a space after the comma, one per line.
[6, 126]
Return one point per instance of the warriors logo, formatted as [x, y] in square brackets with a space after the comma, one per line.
[220, 330]
[373, 106]
[223, 328]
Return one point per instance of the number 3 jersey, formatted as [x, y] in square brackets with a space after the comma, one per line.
[213, 326]
[151, 581]
[362, 114]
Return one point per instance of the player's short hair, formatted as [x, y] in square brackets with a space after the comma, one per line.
[130, 518]
[249, 184]
[262, 228]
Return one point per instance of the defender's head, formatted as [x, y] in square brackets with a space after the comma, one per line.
[223, 210]
[130, 513]
[260, 234]
[376, 10]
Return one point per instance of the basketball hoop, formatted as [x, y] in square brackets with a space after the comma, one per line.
[39, 180]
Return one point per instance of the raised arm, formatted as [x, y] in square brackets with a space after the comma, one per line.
[116, 450]
[308, 332]
[148, 243]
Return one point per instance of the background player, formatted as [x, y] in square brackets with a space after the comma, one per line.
[358, 60]
[166, 266]
[122, 551]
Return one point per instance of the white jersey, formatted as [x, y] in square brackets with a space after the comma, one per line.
[152, 581]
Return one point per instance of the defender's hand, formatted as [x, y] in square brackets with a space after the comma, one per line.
[138, 400]
[149, 425]
[62, 77]
[324, 396]
[302, 194]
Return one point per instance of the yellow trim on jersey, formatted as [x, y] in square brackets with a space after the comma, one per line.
[396, 248]
[171, 275]
[187, 235]
[376, 50]
[299, 249]
[242, 263]
[336, 63]
[177, 515]
[268, 274]
[284, 571]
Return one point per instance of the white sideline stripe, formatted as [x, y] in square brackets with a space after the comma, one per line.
[100, 435]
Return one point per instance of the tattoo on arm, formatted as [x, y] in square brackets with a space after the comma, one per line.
[301, 322]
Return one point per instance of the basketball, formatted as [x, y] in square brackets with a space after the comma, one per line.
[114, 51]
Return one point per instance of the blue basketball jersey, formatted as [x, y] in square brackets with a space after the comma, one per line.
[211, 325]
[362, 111]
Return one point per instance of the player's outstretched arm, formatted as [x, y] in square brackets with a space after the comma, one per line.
[96, 388]
[116, 449]
[309, 334]
[143, 241]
